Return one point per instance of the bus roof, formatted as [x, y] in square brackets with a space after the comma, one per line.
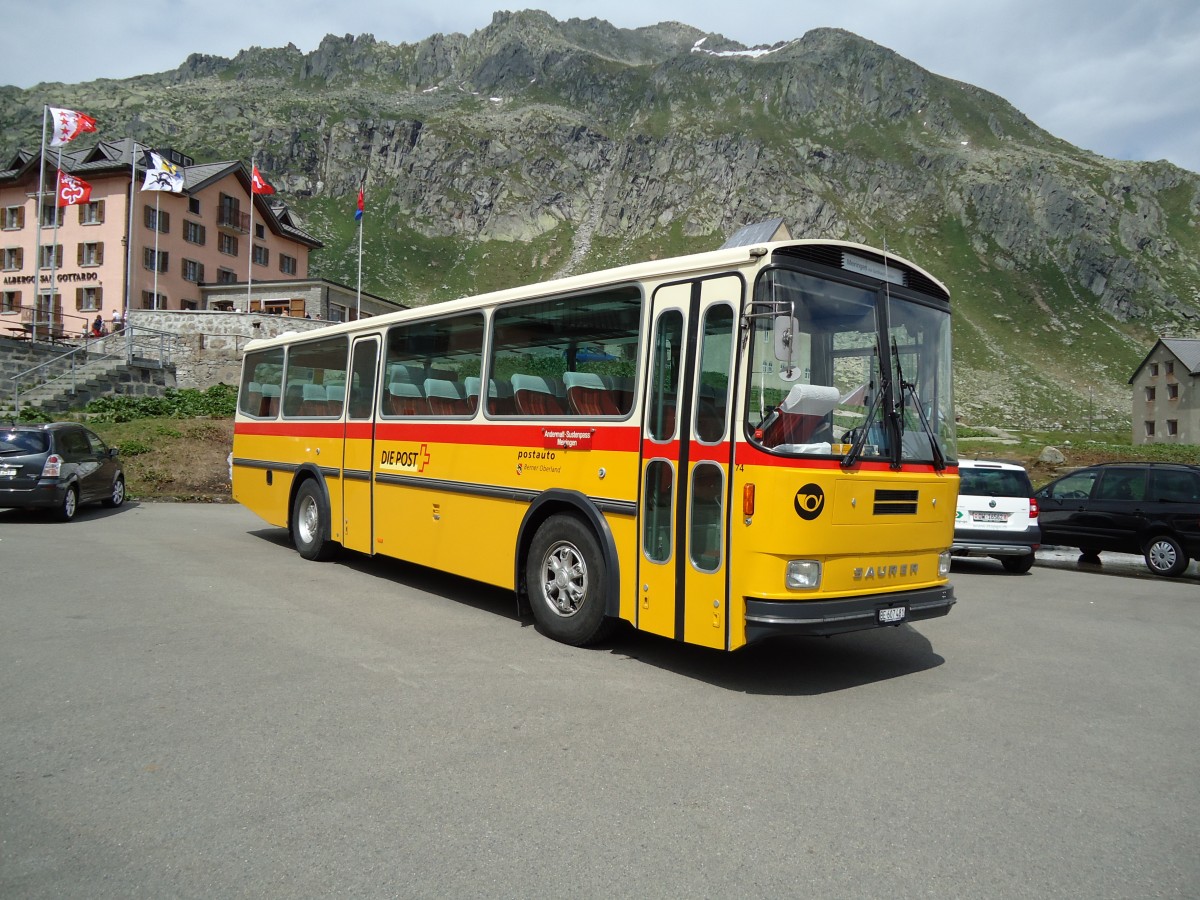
[656, 269]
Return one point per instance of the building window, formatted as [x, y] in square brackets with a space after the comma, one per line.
[287, 264]
[52, 216]
[1149, 395]
[91, 254]
[1172, 391]
[261, 255]
[193, 232]
[1153, 370]
[1172, 428]
[14, 218]
[155, 262]
[1149, 429]
[10, 302]
[92, 213]
[51, 256]
[14, 258]
[187, 304]
[151, 300]
[228, 244]
[88, 299]
[260, 231]
[1169, 367]
[157, 220]
[226, 276]
[194, 205]
[193, 271]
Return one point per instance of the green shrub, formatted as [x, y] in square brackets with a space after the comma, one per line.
[218, 401]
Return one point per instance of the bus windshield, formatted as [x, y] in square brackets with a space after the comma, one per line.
[847, 371]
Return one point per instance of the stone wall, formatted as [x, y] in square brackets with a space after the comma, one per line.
[209, 343]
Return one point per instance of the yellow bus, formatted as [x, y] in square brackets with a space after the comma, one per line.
[715, 448]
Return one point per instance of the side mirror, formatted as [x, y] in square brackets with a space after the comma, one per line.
[114, 452]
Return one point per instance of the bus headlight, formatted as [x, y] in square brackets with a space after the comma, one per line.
[944, 564]
[803, 574]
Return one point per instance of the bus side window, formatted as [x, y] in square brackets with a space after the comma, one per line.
[262, 375]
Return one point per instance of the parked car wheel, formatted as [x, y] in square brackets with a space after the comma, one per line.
[1017, 564]
[117, 497]
[1165, 556]
[69, 505]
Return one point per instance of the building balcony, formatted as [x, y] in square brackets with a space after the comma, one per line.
[233, 220]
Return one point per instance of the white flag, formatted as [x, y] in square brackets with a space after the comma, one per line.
[162, 175]
[68, 125]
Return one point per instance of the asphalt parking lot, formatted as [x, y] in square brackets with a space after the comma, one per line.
[191, 710]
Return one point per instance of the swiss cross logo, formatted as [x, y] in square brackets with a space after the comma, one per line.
[424, 457]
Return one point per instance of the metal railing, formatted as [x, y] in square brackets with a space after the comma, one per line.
[147, 345]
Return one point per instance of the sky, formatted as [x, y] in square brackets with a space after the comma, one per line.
[1119, 78]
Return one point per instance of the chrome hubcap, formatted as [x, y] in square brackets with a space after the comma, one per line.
[309, 520]
[564, 579]
[1162, 555]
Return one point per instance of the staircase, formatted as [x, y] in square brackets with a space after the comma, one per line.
[138, 364]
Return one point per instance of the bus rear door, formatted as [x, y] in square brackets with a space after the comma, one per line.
[359, 451]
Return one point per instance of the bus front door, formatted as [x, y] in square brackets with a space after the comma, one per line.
[686, 458]
[359, 451]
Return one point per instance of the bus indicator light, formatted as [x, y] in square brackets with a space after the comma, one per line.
[748, 500]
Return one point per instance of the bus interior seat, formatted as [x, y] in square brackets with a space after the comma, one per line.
[535, 396]
[335, 396]
[405, 399]
[313, 401]
[445, 398]
[270, 401]
[588, 396]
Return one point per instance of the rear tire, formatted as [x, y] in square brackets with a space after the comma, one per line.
[1165, 556]
[310, 524]
[566, 582]
[1018, 565]
[69, 505]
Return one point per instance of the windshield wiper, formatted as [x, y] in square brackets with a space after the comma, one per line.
[910, 389]
[860, 438]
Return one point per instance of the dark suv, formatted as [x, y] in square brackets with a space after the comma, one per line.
[1147, 508]
[57, 466]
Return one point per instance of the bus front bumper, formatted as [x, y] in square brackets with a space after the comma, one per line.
[768, 618]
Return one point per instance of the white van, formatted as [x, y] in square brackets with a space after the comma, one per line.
[997, 514]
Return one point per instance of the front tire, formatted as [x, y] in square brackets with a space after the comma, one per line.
[310, 524]
[1165, 556]
[1018, 565]
[117, 496]
[566, 582]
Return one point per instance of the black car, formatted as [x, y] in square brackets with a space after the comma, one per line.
[1147, 508]
[58, 467]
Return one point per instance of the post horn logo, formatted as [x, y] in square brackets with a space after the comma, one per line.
[810, 500]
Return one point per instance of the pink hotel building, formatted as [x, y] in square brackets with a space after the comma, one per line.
[203, 237]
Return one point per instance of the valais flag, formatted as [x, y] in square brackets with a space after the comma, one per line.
[68, 125]
[258, 184]
[72, 190]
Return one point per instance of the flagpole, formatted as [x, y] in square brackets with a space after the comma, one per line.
[37, 261]
[157, 229]
[54, 245]
[250, 259]
[358, 293]
[129, 245]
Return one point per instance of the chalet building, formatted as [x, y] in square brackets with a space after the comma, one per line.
[1166, 393]
[217, 232]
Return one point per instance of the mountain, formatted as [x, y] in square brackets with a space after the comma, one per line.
[534, 147]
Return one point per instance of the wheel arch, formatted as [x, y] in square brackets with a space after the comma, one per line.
[561, 500]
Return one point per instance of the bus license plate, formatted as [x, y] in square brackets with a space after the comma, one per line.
[892, 615]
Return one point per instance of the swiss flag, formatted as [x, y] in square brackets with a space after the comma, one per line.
[72, 190]
[68, 125]
[258, 184]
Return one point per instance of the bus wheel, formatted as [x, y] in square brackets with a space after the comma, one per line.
[310, 523]
[566, 582]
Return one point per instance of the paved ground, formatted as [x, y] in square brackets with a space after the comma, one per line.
[189, 709]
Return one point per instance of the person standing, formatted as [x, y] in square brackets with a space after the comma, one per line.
[116, 321]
